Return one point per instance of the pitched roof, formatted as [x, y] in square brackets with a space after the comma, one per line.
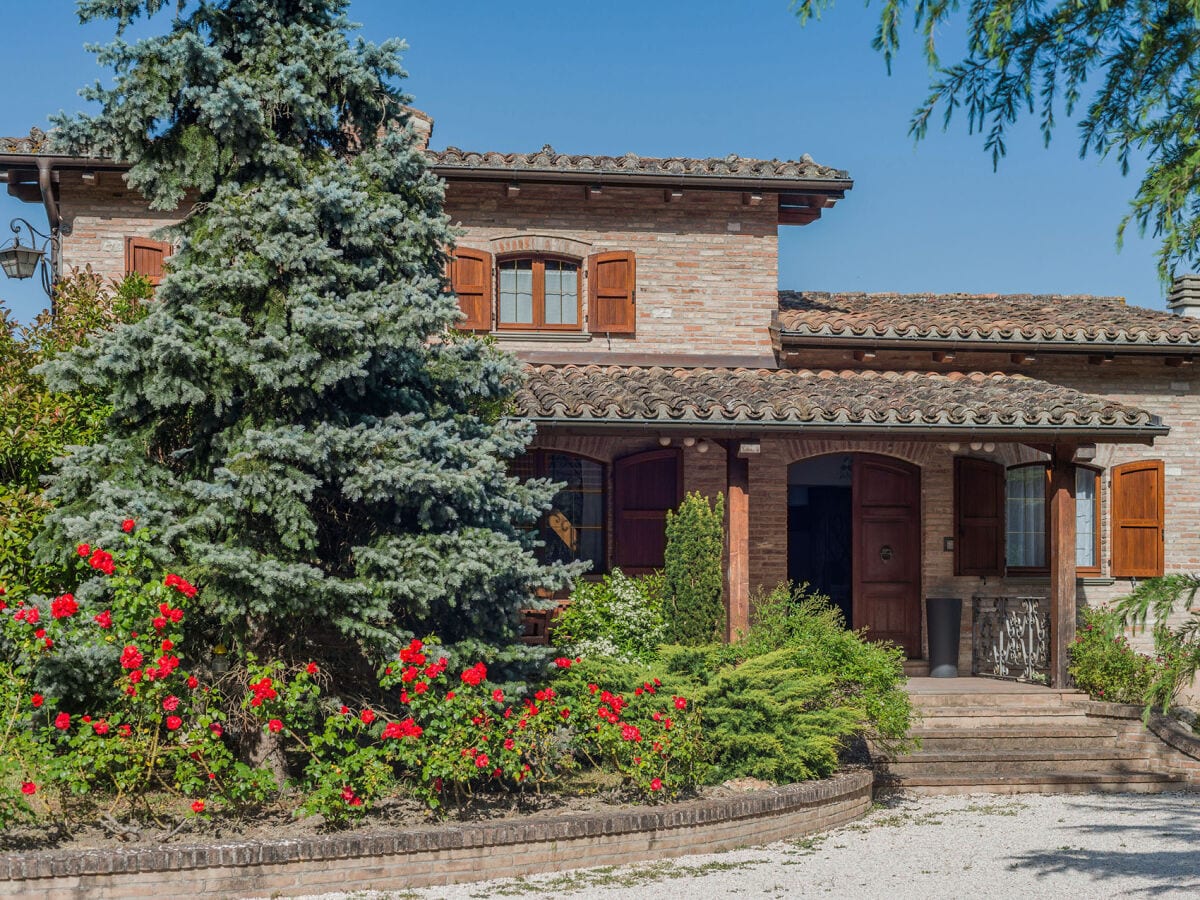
[550, 164]
[805, 400]
[1069, 321]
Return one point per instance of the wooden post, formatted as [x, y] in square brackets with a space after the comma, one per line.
[1062, 561]
[737, 537]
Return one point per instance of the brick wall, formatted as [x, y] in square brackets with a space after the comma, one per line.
[445, 855]
[707, 265]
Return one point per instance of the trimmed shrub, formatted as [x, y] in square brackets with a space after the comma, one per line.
[692, 570]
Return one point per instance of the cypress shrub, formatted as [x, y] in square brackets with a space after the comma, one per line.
[694, 578]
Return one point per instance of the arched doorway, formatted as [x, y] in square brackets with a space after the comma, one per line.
[854, 534]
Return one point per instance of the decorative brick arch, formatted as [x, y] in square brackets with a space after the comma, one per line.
[539, 243]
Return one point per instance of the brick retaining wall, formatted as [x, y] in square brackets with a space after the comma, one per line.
[1168, 747]
[441, 855]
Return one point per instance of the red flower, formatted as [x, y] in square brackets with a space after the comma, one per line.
[168, 644]
[171, 703]
[410, 674]
[274, 726]
[28, 787]
[311, 668]
[474, 675]
[101, 727]
[593, 688]
[103, 619]
[40, 633]
[216, 729]
[498, 695]
[125, 730]
[61, 607]
[128, 525]
[656, 784]
[449, 695]
[37, 700]
[62, 721]
[31, 615]
[680, 702]
[412, 653]
[159, 623]
[131, 657]
[198, 806]
[509, 743]
[482, 761]
[344, 710]
[193, 682]
[173, 723]
[180, 584]
[563, 663]
[101, 561]
[367, 716]
[630, 733]
[83, 550]
[348, 795]
[421, 687]
[565, 713]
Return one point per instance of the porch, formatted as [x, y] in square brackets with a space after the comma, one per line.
[926, 456]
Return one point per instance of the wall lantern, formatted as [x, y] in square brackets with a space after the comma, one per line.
[21, 261]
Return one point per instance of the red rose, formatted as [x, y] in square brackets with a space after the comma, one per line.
[28, 787]
[32, 615]
[37, 700]
[62, 721]
[474, 675]
[563, 663]
[131, 657]
[482, 761]
[565, 713]
[311, 668]
[127, 526]
[498, 695]
[83, 550]
[680, 702]
[193, 682]
[630, 733]
[101, 727]
[173, 723]
[509, 743]
[216, 729]
[125, 730]
[103, 619]
[61, 607]
[171, 703]
[159, 623]
[198, 806]
[656, 784]
[275, 726]
[367, 716]
[168, 644]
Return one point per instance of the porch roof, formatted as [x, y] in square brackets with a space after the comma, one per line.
[750, 400]
[980, 321]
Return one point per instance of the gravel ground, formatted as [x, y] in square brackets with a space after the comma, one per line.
[1081, 846]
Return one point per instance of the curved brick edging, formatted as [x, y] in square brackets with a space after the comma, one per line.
[1168, 748]
[1173, 733]
[442, 855]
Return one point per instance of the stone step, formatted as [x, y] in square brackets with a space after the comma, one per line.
[1041, 782]
[998, 717]
[1042, 697]
[1053, 736]
[916, 668]
[988, 763]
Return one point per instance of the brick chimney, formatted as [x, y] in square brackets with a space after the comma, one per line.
[422, 124]
[1184, 298]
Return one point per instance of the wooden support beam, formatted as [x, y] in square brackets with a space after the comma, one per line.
[1062, 561]
[737, 537]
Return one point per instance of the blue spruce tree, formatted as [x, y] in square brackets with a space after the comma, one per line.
[296, 418]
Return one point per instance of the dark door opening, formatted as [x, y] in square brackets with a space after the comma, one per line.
[820, 529]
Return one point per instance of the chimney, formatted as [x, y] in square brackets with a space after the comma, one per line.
[422, 124]
[1184, 298]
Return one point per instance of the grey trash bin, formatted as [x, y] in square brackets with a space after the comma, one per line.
[945, 620]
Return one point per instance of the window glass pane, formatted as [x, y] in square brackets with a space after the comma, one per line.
[1026, 517]
[570, 294]
[1086, 551]
[516, 291]
[574, 527]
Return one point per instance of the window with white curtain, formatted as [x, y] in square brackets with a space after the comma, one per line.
[1025, 517]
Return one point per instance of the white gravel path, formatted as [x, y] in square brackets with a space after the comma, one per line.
[933, 848]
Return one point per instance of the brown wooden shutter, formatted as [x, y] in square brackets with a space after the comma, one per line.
[471, 281]
[978, 517]
[645, 486]
[145, 257]
[612, 293]
[1137, 519]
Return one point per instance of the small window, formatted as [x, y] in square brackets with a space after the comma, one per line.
[573, 528]
[1025, 517]
[539, 293]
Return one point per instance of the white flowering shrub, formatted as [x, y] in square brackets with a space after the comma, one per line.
[618, 618]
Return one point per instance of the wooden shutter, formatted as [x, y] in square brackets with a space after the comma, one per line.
[645, 486]
[145, 257]
[471, 280]
[978, 517]
[611, 293]
[1137, 519]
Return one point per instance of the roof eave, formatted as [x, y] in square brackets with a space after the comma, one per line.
[834, 188]
[794, 340]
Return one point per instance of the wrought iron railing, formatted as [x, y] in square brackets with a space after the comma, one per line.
[1011, 638]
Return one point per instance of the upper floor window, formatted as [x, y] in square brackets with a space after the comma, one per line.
[545, 291]
[539, 292]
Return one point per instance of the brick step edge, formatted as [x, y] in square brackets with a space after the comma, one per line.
[1048, 776]
[1018, 756]
[446, 854]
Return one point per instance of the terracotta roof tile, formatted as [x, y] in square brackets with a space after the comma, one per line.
[549, 160]
[35, 142]
[987, 318]
[751, 397]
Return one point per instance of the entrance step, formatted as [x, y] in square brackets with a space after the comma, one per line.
[1046, 782]
[916, 668]
[991, 736]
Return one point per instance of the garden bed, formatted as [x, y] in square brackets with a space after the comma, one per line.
[387, 858]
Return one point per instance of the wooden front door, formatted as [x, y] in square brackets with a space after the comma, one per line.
[886, 496]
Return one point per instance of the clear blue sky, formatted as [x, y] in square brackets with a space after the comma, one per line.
[707, 78]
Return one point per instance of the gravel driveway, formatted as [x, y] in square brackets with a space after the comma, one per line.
[1081, 846]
